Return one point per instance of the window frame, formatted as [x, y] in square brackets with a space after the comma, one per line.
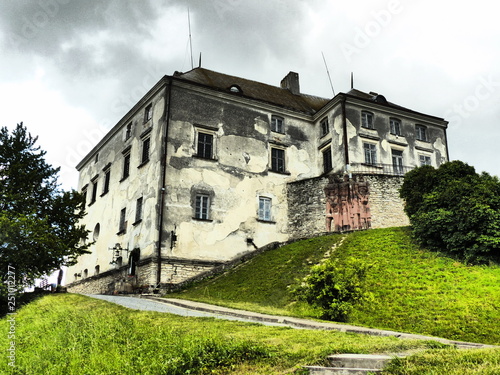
[201, 145]
[126, 166]
[146, 151]
[139, 205]
[264, 212]
[395, 130]
[202, 202]
[122, 226]
[421, 133]
[324, 126]
[93, 197]
[107, 179]
[426, 158]
[370, 153]
[367, 120]
[275, 160]
[128, 131]
[397, 161]
[277, 124]
[148, 113]
[327, 159]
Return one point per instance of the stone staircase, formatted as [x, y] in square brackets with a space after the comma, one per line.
[353, 364]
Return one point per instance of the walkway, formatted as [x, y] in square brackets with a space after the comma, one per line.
[198, 309]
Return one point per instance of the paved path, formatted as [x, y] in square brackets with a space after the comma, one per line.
[198, 309]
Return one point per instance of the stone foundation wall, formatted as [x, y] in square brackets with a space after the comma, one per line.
[307, 207]
[307, 204]
[385, 204]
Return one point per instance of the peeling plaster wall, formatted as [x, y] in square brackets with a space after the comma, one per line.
[235, 179]
[142, 182]
[385, 142]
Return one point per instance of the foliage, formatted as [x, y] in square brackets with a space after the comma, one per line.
[38, 222]
[454, 209]
[70, 334]
[335, 287]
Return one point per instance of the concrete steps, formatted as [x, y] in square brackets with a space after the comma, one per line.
[352, 364]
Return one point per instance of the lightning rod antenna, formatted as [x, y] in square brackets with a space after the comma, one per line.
[190, 40]
[328, 72]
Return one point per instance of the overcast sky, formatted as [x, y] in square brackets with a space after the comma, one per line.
[70, 69]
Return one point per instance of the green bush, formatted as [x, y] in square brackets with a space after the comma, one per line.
[335, 287]
[454, 209]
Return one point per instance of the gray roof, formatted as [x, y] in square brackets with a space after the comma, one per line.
[254, 90]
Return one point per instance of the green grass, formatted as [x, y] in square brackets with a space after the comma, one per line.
[414, 290]
[71, 334]
[263, 284]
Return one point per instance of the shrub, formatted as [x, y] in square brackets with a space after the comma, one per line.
[335, 287]
[454, 209]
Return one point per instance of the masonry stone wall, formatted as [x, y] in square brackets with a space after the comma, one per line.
[307, 207]
[387, 208]
[307, 204]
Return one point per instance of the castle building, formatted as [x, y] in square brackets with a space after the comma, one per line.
[208, 167]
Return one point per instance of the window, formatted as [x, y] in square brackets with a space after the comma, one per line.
[148, 113]
[395, 126]
[107, 178]
[94, 191]
[424, 160]
[277, 124]
[421, 133]
[265, 208]
[97, 231]
[277, 160]
[85, 273]
[97, 269]
[126, 166]
[327, 160]
[84, 194]
[370, 153]
[96, 158]
[367, 120]
[123, 224]
[128, 131]
[397, 162]
[145, 150]
[325, 128]
[202, 205]
[205, 145]
[138, 210]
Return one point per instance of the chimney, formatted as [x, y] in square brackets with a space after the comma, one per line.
[291, 82]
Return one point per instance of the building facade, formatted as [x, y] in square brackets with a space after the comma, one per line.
[206, 168]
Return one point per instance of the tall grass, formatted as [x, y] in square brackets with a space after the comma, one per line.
[72, 334]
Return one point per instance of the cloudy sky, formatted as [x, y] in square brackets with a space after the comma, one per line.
[70, 69]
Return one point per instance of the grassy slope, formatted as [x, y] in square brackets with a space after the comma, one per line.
[414, 290]
[71, 334]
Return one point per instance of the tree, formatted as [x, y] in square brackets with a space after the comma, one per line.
[39, 229]
[455, 210]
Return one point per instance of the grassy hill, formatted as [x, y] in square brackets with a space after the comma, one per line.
[70, 334]
[414, 290]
